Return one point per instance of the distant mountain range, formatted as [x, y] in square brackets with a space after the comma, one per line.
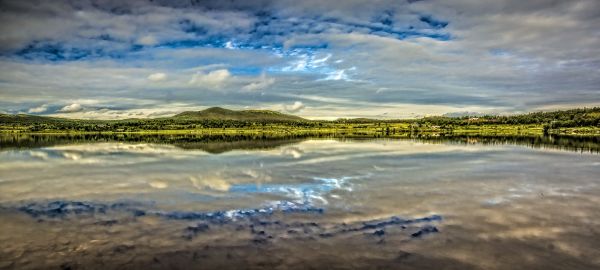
[572, 117]
[214, 113]
[218, 113]
[28, 118]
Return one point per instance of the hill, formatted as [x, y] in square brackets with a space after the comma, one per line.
[28, 119]
[217, 113]
[575, 121]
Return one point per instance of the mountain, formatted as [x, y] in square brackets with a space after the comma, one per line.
[28, 119]
[217, 113]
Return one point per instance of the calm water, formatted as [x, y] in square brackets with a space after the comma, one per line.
[185, 202]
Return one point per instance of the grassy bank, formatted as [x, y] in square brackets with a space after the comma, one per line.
[583, 122]
[379, 129]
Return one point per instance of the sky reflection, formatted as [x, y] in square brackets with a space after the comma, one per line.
[327, 191]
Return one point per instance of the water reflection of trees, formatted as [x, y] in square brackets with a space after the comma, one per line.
[209, 143]
[223, 143]
[560, 142]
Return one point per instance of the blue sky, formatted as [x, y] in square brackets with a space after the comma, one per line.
[317, 59]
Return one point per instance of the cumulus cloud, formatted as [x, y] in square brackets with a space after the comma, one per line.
[157, 77]
[262, 83]
[214, 79]
[125, 109]
[75, 107]
[295, 107]
[39, 109]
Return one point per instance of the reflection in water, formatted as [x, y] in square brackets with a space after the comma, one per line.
[209, 143]
[183, 201]
[216, 144]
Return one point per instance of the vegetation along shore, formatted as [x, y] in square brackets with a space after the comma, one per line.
[584, 122]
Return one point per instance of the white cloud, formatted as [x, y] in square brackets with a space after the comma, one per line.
[39, 109]
[157, 77]
[297, 65]
[262, 83]
[148, 40]
[214, 79]
[149, 110]
[75, 107]
[337, 75]
[296, 107]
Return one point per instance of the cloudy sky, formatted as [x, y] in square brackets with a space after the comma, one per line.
[318, 59]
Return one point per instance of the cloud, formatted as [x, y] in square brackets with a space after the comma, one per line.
[229, 45]
[75, 107]
[159, 184]
[214, 183]
[262, 83]
[295, 107]
[157, 77]
[424, 56]
[39, 109]
[337, 75]
[148, 40]
[214, 79]
[139, 109]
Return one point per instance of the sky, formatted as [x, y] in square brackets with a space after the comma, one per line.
[319, 59]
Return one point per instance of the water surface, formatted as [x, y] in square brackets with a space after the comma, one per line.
[190, 202]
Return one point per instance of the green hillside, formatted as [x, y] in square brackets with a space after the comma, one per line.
[217, 113]
[584, 121]
[29, 119]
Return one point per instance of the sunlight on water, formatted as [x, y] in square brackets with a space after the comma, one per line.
[387, 203]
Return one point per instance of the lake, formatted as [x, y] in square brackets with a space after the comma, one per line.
[205, 202]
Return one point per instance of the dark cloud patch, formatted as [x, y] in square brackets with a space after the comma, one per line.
[189, 26]
[386, 18]
[54, 51]
[50, 51]
[432, 22]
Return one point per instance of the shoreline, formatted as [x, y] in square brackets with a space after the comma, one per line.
[387, 131]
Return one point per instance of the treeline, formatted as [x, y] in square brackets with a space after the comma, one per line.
[150, 124]
[556, 119]
[586, 117]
